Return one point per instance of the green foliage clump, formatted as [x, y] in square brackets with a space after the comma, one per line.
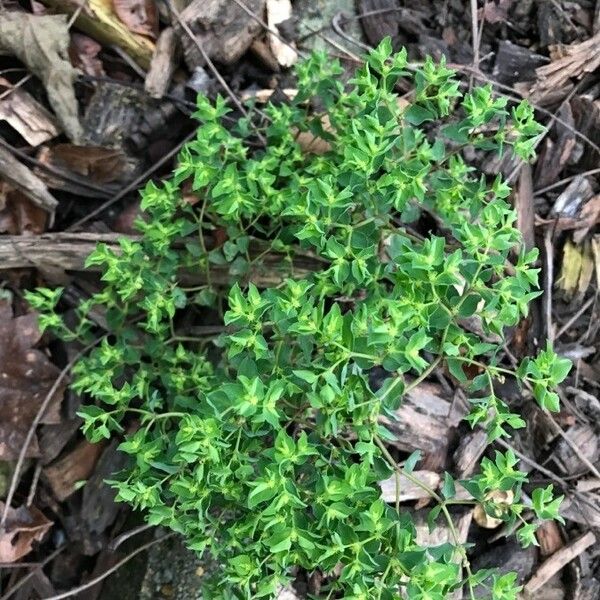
[263, 444]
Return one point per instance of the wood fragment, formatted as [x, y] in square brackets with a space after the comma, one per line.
[553, 80]
[20, 177]
[586, 440]
[26, 115]
[525, 208]
[516, 63]
[549, 538]
[77, 465]
[278, 12]
[409, 490]
[163, 64]
[559, 560]
[469, 451]
[223, 29]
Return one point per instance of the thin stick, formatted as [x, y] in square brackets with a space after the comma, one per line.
[566, 180]
[113, 569]
[576, 316]
[127, 535]
[475, 34]
[36, 421]
[548, 279]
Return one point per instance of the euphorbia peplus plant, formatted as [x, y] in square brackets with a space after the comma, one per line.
[268, 452]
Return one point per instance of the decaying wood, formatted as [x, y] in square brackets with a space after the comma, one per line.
[469, 451]
[549, 538]
[586, 115]
[585, 438]
[407, 489]
[575, 509]
[163, 64]
[556, 153]
[77, 465]
[99, 21]
[516, 63]
[20, 177]
[26, 115]
[558, 560]
[223, 29]
[553, 80]
[425, 421]
[68, 251]
[390, 18]
[525, 208]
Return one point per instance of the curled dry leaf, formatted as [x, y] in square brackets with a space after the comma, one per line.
[140, 16]
[41, 42]
[18, 215]
[501, 498]
[26, 376]
[24, 526]
[83, 52]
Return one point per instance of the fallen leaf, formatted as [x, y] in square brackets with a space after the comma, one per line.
[96, 163]
[18, 215]
[41, 42]
[23, 527]
[26, 115]
[140, 16]
[26, 376]
[279, 11]
[83, 52]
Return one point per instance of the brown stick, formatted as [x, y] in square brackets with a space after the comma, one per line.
[558, 560]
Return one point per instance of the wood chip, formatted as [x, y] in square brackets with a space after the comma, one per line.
[77, 465]
[26, 115]
[223, 29]
[553, 79]
[516, 63]
[469, 451]
[585, 438]
[558, 560]
[163, 64]
[408, 489]
[549, 538]
[279, 11]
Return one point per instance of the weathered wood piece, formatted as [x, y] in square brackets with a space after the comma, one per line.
[387, 18]
[558, 560]
[469, 451]
[575, 509]
[223, 29]
[163, 64]
[585, 438]
[20, 177]
[26, 115]
[553, 80]
[407, 489]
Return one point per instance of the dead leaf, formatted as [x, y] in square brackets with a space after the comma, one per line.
[18, 215]
[96, 163]
[24, 526]
[140, 16]
[501, 498]
[26, 115]
[577, 269]
[26, 376]
[496, 11]
[41, 42]
[279, 11]
[83, 52]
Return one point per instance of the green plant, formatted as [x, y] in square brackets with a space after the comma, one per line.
[267, 453]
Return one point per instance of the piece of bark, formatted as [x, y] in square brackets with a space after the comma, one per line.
[553, 80]
[223, 29]
[558, 560]
[525, 207]
[262, 51]
[77, 465]
[22, 178]
[26, 115]
[278, 12]
[549, 538]
[387, 22]
[588, 588]
[585, 438]
[569, 202]
[68, 251]
[516, 63]
[586, 115]
[424, 422]
[407, 489]
[163, 64]
[555, 153]
[596, 24]
[99, 21]
[53, 438]
[469, 451]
